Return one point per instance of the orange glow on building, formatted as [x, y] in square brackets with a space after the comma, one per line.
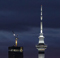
[16, 42]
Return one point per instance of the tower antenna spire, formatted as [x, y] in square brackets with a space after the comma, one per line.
[41, 28]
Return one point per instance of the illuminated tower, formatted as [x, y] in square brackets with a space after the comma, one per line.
[41, 45]
[15, 51]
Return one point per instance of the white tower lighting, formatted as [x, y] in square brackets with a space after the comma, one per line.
[41, 55]
[41, 45]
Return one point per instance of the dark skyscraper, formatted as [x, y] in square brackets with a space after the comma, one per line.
[15, 51]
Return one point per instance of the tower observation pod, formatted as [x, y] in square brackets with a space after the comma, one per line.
[41, 45]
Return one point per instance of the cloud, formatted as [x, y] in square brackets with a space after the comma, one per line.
[51, 36]
[28, 39]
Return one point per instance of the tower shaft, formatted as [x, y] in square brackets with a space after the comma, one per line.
[41, 55]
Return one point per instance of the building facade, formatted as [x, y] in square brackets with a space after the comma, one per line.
[15, 52]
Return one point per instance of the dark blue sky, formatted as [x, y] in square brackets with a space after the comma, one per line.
[22, 14]
[23, 17]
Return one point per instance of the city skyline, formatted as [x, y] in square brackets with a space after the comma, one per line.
[23, 17]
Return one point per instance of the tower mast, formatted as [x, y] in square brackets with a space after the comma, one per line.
[41, 37]
[41, 20]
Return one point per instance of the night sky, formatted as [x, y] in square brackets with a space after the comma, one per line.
[23, 17]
